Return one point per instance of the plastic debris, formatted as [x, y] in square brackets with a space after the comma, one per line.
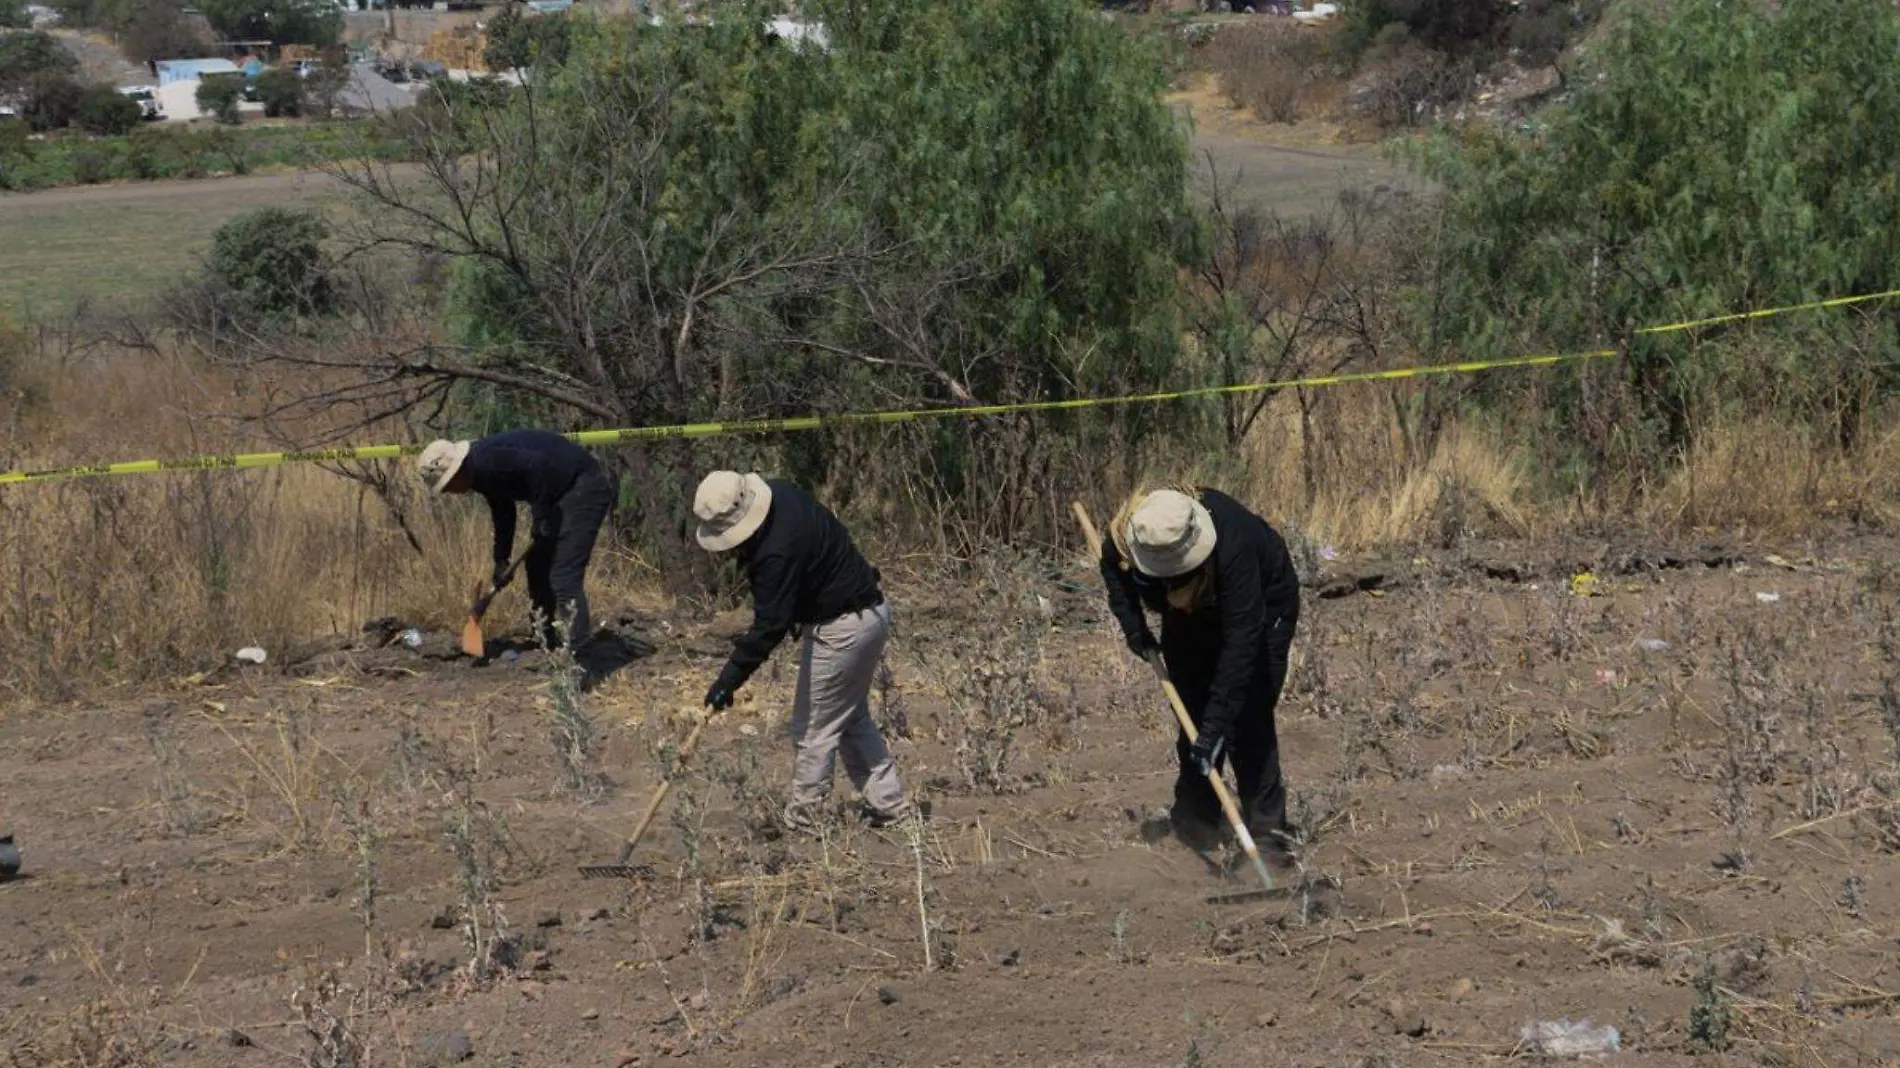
[1767, 596]
[251, 654]
[1652, 645]
[1584, 584]
[412, 637]
[1607, 677]
[1327, 552]
[1568, 1038]
[9, 858]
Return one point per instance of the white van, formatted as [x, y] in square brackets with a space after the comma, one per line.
[147, 101]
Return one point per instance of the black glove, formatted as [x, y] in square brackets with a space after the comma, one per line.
[1141, 643]
[1209, 746]
[718, 698]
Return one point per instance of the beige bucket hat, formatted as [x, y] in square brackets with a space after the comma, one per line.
[731, 508]
[1170, 534]
[440, 461]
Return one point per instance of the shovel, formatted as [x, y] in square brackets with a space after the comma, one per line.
[1227, 805]
[485, 592]
[621, 868]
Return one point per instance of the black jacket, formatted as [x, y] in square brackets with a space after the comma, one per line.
[1253, 587]
[803, 570]
[535, 466]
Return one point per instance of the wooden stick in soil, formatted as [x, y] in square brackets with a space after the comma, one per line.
[1226, 798]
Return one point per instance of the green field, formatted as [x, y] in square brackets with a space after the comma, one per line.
[116, 248]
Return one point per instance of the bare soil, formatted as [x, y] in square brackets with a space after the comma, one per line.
[1516, 812]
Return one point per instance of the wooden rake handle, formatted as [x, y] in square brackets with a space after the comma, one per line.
[666, 787]
[1226, 797]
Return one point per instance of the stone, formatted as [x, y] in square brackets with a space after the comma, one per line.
[445, 1048]
[1406, 1019]
[886, 995]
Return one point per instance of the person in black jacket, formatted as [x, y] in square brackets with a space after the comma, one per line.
[568, 497]
[1223, 583]
[807, 576]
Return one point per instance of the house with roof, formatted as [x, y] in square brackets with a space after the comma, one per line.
[191, 70]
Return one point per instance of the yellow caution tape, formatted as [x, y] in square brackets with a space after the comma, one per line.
[241, 461]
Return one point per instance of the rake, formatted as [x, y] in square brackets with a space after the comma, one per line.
[1227, 805]
[622, 867]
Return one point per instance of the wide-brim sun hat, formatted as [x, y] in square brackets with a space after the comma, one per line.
[440, 461]
[1169, 534]
[731, 507]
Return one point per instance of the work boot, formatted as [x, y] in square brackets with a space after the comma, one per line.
[876, 818]
[801, 818]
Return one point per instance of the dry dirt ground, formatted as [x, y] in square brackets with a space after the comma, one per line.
[1519, 808]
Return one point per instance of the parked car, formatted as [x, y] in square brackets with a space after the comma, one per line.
[428, 70]
[390, 70]
[149, 107]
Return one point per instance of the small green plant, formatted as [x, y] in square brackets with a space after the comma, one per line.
[573, 731]
[1709, 1017]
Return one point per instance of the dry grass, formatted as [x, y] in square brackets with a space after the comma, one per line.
[111, 579]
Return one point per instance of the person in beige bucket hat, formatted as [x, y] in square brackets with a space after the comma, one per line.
[568, 497]
[1223, 584]
[807, 577]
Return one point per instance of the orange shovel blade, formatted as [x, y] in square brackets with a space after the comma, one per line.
[472, 637]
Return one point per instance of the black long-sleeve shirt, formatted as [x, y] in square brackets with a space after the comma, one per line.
[1253, 586]
[532, 466]
[803, 569]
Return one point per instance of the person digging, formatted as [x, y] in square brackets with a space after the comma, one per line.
[1223, 584]
[807, 578]
[568, 496]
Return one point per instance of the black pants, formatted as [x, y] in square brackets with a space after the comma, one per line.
[1191, 653]
[557, 564]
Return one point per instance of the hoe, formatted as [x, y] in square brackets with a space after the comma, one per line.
[1269, 888]
[472, 641]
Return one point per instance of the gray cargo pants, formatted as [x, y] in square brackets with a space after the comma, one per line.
[831, 714]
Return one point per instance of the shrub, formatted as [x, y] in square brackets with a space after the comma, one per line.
[219, 97]
[271, 260]
[92, 164]
[105, 111]
[282, 91]
[1269, 68]
[52, 101]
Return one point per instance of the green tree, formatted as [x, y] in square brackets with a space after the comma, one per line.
[26, 57]
[105, 111]
[519, 42]
[271, 261]
[311, 22]
[1717, 156]
[13, 15]
[952, 203]
[52, 101]
[281, 89]
[218, 96]
[158, 30]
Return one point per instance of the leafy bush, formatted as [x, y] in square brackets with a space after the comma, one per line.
[103, 110]
[282, 91]
[1717, 156]
[158, 30]
[516, 42]
[271, 261]
[218, 96]
[13, 15]
[91, 164]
